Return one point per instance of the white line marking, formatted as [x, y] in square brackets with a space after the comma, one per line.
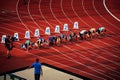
[110, 12]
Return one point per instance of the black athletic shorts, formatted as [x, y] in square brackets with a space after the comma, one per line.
[8, 47]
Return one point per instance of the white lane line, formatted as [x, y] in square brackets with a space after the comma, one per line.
[82, 63]
[28, 8]
[40, 11]
[103, 17]
[88, 14]
[89, 58]
[109, 11]
[91, 17]
[64, 12]
[20, 17]
[78, 15]
[64, 65]
[53, 13]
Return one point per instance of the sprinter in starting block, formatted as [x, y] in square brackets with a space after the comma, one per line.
[92, 33]
[101, 31]
[83, 34]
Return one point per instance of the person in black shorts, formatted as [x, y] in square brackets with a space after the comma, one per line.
[8, 45]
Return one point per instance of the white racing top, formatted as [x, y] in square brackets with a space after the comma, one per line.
[101, 28]
[92, 29]
[82, 32]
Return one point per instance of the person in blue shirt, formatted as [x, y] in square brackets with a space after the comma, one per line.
[37, 69]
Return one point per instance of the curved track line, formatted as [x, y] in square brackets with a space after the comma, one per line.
[93, 55]
[64, 13]
[103, 17]
[104, 50]
[10, 25]
[43, 15]
[9, 29]
[62, 64]
[108, 44]
[105, 66]
[99, 23]
[106, 21]
[53, 13]
[101, 56]
[88, 14]
[13, 26]
[71, 60]
[84, 57]
[68, 66]
[20, 18]
[77, 61]
[28, 8]
[78, 15]
[110, 12]
[81, 63]
[92, 18]
[60, 52]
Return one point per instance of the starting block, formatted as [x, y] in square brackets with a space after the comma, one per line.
[3, 39]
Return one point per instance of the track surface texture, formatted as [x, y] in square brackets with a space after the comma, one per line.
[97, 59]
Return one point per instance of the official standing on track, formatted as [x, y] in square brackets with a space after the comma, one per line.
[37, 69]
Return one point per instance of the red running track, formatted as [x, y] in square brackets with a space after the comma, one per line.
[97, 59]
